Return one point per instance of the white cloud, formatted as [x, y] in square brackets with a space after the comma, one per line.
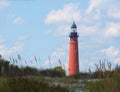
[99, 4]
[93, 4]
[117, 60]
[4, 4]
[115, 13]
[1, 46]
[87, 30]
[70, 12]
[62, 31]
[15, 49]
[58, 53]
[112, 30]
[4, 50]
[47, 63]
[18, 20]
[9, 51]
[110, 52]
[55, 56]
[97, 14]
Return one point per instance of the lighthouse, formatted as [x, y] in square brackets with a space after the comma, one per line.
[73, 64]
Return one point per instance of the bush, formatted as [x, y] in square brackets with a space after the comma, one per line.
[55, 72]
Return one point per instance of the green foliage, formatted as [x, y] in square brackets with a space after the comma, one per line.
[4, 67]
[25, 84]
[30, 71]
[11, 70]
[60, 71]
[55, 72]
[106, 85]
[109, 81]
[80, 76]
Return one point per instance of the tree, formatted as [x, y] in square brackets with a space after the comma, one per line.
[60, 71]
[4, 67]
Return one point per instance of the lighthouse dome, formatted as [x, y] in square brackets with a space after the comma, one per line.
[73, 30]
[73, 25]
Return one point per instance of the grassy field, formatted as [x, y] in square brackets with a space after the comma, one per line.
[109, 80]
[28, 84]
[12, 79]
[105, 85]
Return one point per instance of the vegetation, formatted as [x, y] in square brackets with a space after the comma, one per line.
[106, 85]
[104, 79]
[109, 80]
[11, 70]
[17, 79]
[55, 72]
[81, 76]
[25, 84]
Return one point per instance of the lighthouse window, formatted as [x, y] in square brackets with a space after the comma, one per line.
[74, 29]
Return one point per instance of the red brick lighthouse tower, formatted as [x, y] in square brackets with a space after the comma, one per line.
[73, 66]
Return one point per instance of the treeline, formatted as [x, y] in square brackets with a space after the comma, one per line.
[11, 70]
[103, 69]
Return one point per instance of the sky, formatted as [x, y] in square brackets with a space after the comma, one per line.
[40, 29]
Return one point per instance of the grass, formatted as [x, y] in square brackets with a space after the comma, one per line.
[28, 84]
[109, 81]
[105, 85]
[3, 82]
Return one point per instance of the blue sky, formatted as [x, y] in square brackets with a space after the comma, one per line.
[41, 28]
